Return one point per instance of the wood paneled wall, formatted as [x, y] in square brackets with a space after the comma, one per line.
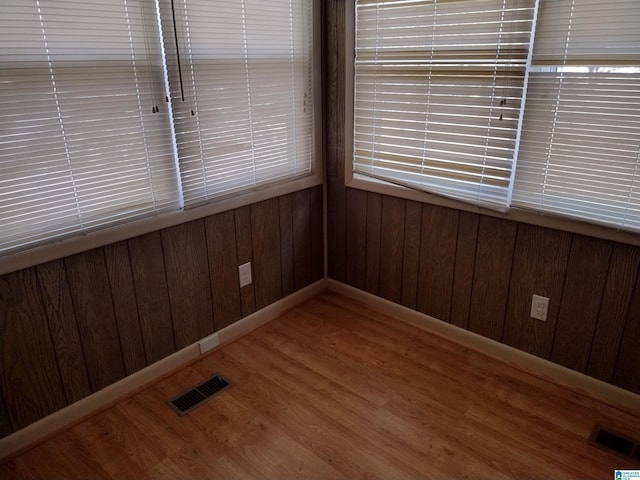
[479, 272]
[75, 325]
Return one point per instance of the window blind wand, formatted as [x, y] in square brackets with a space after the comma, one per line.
[175, 36]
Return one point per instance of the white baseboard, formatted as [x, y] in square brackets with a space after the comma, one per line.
[109, 396]
[540, 367]
[89, 406]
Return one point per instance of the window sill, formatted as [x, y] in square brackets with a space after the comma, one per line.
[70, 246]
[514, 214]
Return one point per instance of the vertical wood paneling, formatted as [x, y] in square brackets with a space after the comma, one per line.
[187, 268]
[614, 310]
[437, 261]
[372, 257]
[463, 268]
[124, 303]
[539, 266]
[317, 234]
[265, 234]
[286, 244]
[356, 232]
[411, 254]
[333, 111]
[301, 238]
[30, 382]
[223, 268]
[91, 295]
[5, 422]
[392, 248]
[628, 364]
[581, 298]
[152, 296]
[494, 253]
[245, 254]
[337, 229]
[56, 298]
[335, 87]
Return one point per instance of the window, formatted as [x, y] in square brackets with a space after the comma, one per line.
[580, 150]
[550, 121]
[242, 92]
[80, 146]
[438, 94]
[116, 110]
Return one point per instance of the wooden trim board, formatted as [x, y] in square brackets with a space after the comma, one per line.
[576, 381]
[75, 413]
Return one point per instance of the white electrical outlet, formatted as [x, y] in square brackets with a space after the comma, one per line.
[539, 307]
[244, 273]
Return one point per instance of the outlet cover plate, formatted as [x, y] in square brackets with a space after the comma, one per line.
[244, 274]
[539, 307]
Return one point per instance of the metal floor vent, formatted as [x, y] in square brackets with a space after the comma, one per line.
[187, 401]
[615, 442]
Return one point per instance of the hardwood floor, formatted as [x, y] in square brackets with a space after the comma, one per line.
[335, 390]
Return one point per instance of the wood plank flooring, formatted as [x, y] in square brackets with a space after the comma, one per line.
[335, 390]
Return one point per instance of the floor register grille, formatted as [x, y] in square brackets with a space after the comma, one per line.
[615, 442]
[196, 396]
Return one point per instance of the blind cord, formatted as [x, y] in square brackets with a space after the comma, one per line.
[175, 36]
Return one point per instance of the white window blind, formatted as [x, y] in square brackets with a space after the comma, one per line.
[438, 93]
[80, 146]
[242, 92]
[101, 123]
[580, 149]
